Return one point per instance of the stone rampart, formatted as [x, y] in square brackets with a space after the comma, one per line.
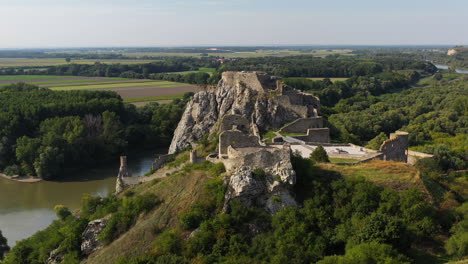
[161, 161]
[236, 139]
[318, 135]
[302, 124]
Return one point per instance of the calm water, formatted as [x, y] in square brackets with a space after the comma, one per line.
[446, 67]
[26, 208]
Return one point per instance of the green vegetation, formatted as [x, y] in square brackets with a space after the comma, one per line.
[65, 234]
[376, 142]
[342, 160]
[434, 117]
[4, 248]
[269, 135]
[153, 98]
[44, 132]
[342, 220]
[319, 155]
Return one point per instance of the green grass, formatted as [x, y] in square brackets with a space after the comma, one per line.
[153, 98]
[208, 70]
[161, 84]
[395, 175]
[331, 79]
[342, 160]
[32, 77]
[268, 136]
[19, 62]
[292, 134]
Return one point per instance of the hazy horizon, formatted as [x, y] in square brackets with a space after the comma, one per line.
[145, 23]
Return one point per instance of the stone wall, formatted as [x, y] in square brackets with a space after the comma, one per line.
[161, 161]
[316, 135]
[396, 148]
[234, 121]
[302, 124]
[236, 139]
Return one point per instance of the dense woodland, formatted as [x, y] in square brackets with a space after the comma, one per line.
[43, 131]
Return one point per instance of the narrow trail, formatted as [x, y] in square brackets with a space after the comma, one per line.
[161, 173]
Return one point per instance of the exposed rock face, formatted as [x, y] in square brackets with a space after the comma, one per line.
[265, 102]
[271, 190]
[55, 257]
[90, 236]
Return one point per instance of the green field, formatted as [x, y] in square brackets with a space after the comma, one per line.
[131, 90]
[258, 53]
[331, 79]
[153, 98]
[160, 84]
[15, 62]
[24, 78]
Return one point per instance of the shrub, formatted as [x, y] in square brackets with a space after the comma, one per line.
[319, 155]
[62, 212]
[259, 174]
[191, 220]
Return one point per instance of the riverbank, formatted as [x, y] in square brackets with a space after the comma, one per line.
[23, 179]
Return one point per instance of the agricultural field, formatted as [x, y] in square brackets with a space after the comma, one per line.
[18, 62]
[258, 53]
[136, 91]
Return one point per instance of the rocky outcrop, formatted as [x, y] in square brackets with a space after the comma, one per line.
[265, 102]
[262, 177]
[90, 236]
[55, 257]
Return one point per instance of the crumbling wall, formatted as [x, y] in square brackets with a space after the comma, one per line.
[234, 121]
[302, 124]
[396, 148]
[123, 173]
[236, 139]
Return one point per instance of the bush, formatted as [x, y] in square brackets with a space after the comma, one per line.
[319, 155]
[191, 220]
[368, 253]
[259, 174]
[62, 212]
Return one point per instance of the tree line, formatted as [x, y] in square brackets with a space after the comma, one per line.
[43, 132]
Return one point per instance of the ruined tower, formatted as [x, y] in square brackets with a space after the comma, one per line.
[396, 148]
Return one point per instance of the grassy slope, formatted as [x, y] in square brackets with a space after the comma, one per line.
[395, 175]
[178, 192]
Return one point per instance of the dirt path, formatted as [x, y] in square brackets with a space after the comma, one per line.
[161, 173]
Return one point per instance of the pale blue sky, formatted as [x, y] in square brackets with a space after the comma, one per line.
[91, 23]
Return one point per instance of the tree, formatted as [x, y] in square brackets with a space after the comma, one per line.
[319, 155]
[368, 253]
[62, 212]
[68, 60]
[376, 142]
[4, 248]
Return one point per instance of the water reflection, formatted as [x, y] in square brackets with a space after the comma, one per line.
[28, 207]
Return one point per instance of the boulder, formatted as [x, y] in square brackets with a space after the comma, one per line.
[90, 236]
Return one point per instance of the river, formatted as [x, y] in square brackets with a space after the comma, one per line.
[26, 208]
[446, 67]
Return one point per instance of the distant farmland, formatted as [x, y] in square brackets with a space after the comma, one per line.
[131, 90]
[18, 62]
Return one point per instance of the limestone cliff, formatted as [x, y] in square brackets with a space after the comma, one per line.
[264, 101]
